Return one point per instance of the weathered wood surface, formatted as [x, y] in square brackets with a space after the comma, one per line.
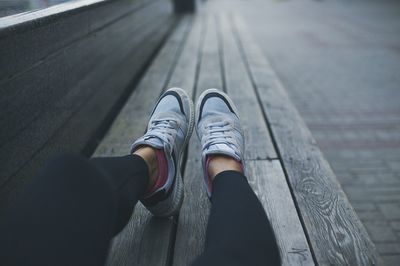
[219, 65]
[335, 232]
[266, 177]
[269, 183]
[145, 240]
[82, 87]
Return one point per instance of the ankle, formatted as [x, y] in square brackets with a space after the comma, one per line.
[220, 163]
[148, 154]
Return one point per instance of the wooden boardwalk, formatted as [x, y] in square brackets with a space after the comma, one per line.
[311, 216]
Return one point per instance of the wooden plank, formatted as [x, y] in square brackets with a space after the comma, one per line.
[269, 183]
[193, 217]
[210, 72]
[239, 87]
[94, 111]
[135, 245]
[336, 235]
[185, 71]
[266, 177]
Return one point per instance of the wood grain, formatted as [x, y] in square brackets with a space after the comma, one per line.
[269, 183]
[336, 235]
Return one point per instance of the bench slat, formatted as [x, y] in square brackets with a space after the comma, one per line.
[269, 183]
[266, 177]
[335, 233]
[238, 85]
[145, 240]
[193, 216]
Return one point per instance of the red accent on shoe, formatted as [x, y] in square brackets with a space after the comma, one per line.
[209, 182]
[162, 171]
[241, 167]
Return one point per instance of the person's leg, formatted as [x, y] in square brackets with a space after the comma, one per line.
[238, 231]
[169, 129]
[72, 209]
[129, 177]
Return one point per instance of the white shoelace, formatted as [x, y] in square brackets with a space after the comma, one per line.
[164, 129]
[219, 133]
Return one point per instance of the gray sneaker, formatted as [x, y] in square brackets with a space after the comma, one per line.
[169, 129]
[218, 128]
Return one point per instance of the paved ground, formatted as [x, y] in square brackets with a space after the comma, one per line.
[340, 61]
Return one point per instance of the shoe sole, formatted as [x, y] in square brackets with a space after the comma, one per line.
[171, 205]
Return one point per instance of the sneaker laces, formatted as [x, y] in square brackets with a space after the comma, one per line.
[219, 133]
[164, 129]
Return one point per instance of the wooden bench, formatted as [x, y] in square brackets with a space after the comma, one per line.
[312, 218]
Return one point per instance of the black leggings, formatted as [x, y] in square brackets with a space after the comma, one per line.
[74, 206]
